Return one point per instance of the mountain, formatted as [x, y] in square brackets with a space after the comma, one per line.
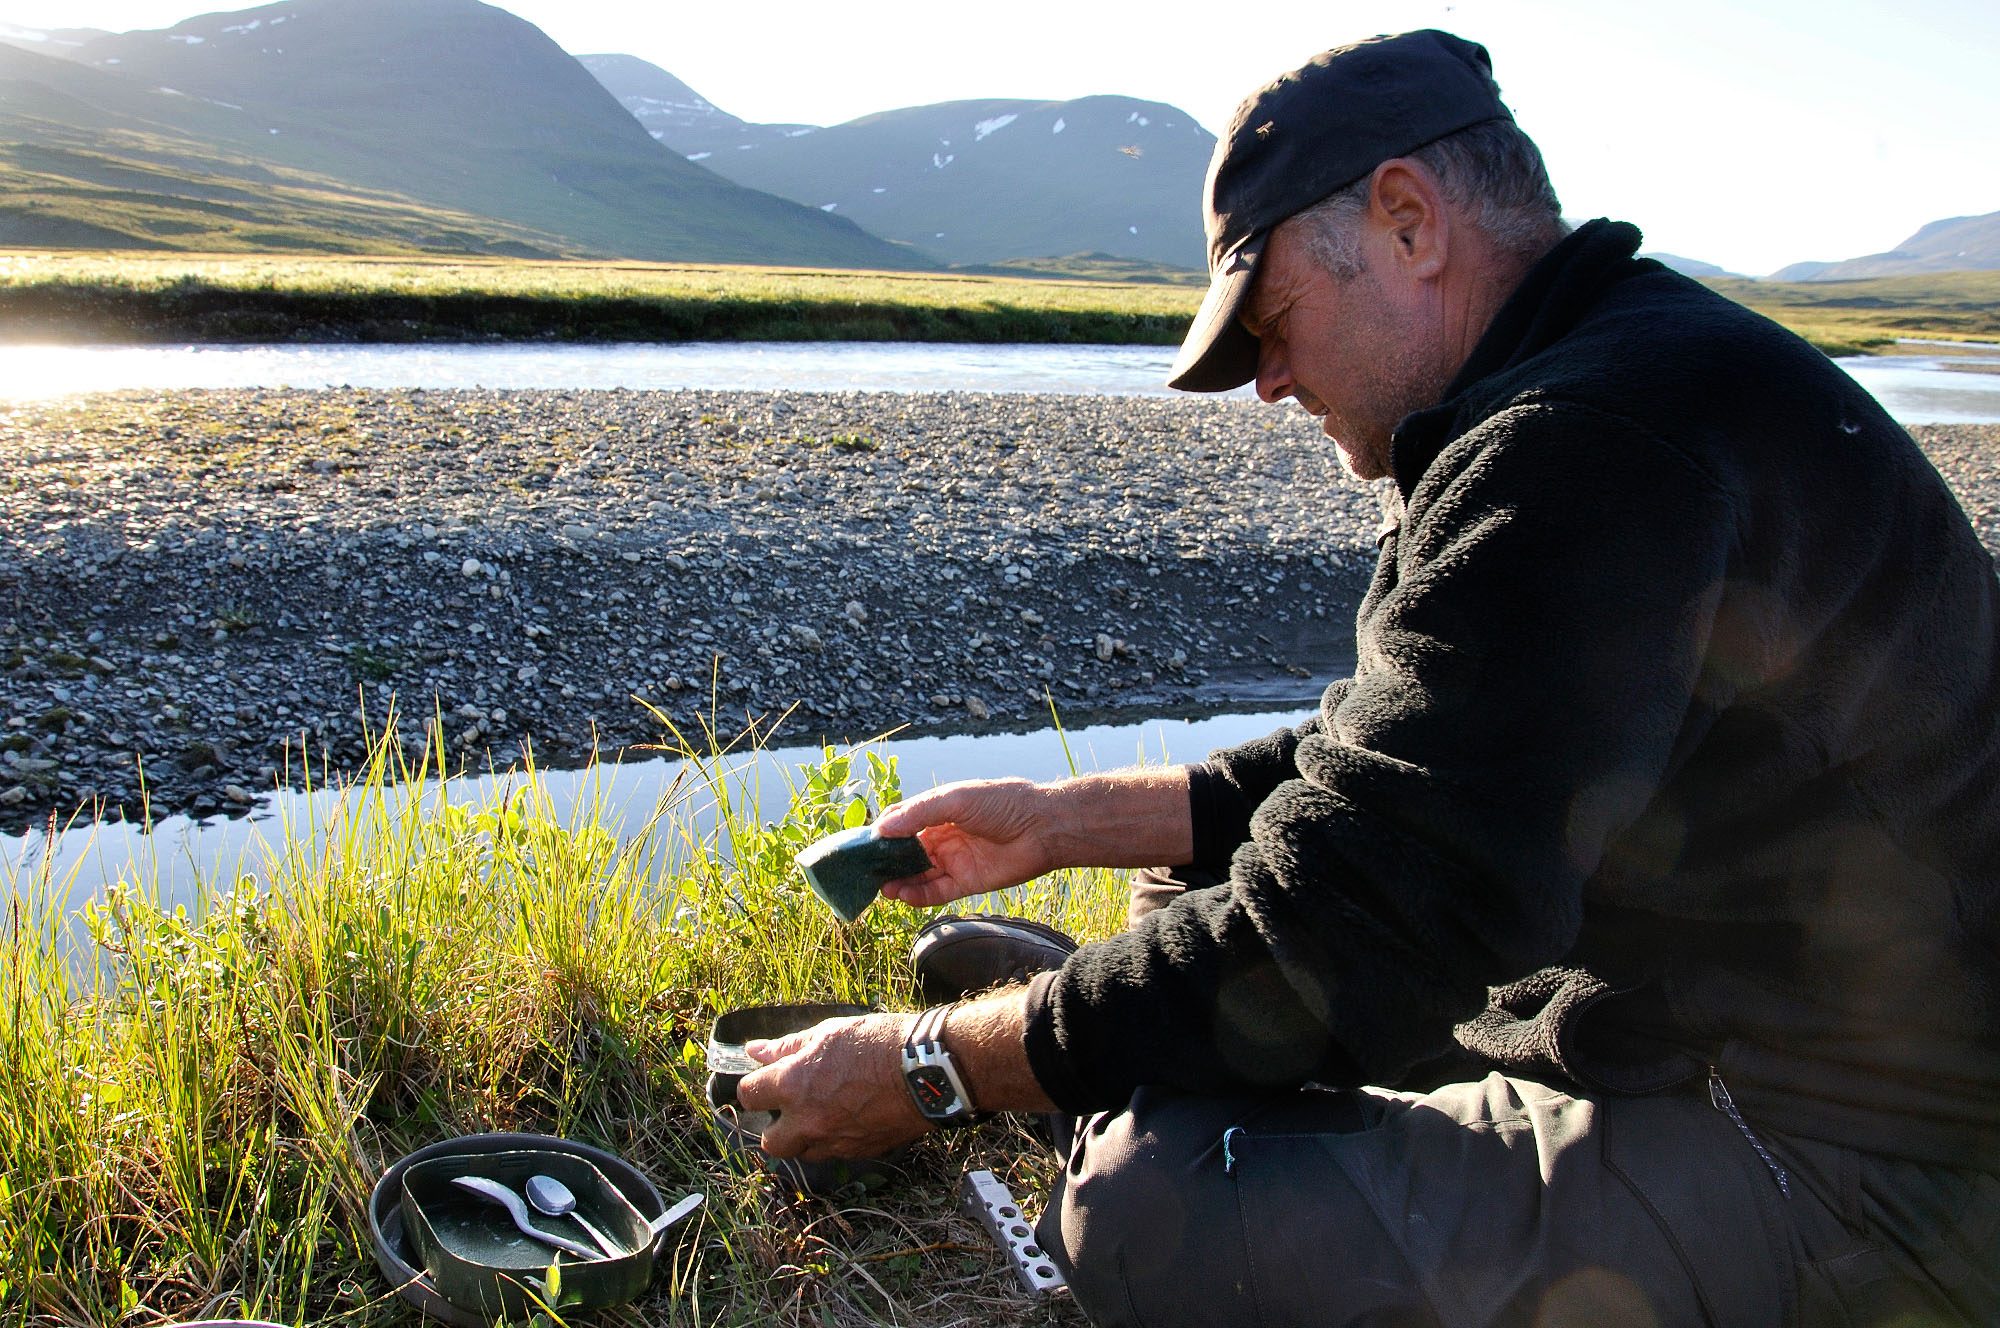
[89, 159]
[1956, 244]
[48, 41]
[446, 105]
[1689, 267]
[970, 181]
[673, 112]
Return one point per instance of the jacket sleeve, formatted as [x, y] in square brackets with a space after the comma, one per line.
[1528, 668]
[1229, 787]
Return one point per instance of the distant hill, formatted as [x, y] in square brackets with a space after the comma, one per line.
[675, 113]
[48, 41]
[1689, 267]
[450, 105]
[1956, 244]
[92, 160]
[969, 181]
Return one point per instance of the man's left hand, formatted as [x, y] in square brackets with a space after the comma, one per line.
[838, 1088]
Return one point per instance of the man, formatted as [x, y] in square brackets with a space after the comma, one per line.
[1653, 851]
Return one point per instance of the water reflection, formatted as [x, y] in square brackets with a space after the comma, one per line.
[1933, 382]
[1921, 383]
[30, 372]
[182, 856]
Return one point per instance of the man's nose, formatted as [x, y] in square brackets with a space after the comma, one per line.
[1274, 373]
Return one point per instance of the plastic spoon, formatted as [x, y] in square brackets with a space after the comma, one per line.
[551, 1198]
[507, 1199]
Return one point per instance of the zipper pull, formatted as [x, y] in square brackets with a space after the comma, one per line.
[1719, 1098]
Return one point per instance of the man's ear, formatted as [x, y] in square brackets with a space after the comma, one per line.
[1407, 206]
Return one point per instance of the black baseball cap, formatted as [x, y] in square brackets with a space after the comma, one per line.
[1303, 137]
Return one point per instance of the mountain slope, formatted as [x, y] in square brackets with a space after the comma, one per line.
[48, 41]
[1955, 244]
[92, 160]
[461, 106]
[673, 112]
[970, 181]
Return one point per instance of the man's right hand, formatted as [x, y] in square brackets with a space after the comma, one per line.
[983, 834]
[988, 834]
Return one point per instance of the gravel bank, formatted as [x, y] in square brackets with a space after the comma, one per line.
[208, 583]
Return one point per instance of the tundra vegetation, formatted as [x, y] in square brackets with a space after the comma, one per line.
[138, 297]
[122, 297]
[195, 1103]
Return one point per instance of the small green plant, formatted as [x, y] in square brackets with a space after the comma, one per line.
[368, 664]
[237, 618]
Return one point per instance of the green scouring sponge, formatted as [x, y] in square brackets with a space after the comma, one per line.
[849, 868]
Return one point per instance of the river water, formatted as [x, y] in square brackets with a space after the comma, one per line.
[181, 857]
[1922, 383]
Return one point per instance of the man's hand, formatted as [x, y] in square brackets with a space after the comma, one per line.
[980, 835]
[838, 1088]
[988, 834]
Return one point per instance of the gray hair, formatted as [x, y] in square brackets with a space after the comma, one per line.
[1492, 171]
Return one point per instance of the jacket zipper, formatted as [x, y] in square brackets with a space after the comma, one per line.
[1719, 1098]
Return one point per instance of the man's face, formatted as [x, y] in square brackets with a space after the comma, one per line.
[1355, 354]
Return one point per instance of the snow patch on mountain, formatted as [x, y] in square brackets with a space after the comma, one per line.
[1060, 125]
[997, 123]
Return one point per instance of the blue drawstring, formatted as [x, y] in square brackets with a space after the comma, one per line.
[1228, 1153]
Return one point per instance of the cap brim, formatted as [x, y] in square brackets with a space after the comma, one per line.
[1218, 353]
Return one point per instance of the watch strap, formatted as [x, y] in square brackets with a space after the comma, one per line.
[932, 1076]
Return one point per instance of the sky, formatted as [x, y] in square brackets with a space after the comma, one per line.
[1750, 134]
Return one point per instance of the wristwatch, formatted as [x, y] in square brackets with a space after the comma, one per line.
[932, 1077]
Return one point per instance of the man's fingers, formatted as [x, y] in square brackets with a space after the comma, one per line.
[765, 1050]
[758, 1090]
[936, 807]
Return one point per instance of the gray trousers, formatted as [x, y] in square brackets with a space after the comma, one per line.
[1503, 1202]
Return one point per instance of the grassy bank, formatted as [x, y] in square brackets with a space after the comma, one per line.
[122, 297]
[190, 1126]
[1857, 317]
[139, 298]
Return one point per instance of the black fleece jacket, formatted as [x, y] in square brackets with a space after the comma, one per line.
[1672, 744]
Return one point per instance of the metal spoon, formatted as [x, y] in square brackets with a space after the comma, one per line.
[551, 1198]
[506, 1198]
[680, 1210]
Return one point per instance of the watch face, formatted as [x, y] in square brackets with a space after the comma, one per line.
[933, 1090]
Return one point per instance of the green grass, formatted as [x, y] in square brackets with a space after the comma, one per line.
[134, 192]
[124, 297]
[193, 1112]
[1859, 317]
[121, 296]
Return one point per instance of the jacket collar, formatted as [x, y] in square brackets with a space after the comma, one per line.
[1548, 303]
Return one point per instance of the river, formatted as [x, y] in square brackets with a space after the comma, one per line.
[1921, 383]
[181, 856]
